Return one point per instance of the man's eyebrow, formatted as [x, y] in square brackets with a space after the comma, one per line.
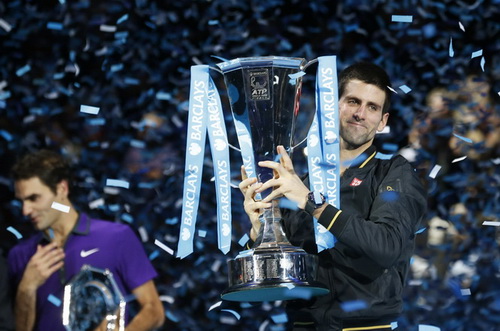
[30, 197]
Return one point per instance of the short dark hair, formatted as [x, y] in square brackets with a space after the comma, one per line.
[50, 167]
[368, 73]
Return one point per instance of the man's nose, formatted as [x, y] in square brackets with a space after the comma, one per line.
[27, 209]
[359, 114]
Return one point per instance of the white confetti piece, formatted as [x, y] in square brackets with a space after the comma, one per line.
[465, 291]
[458, 159]
[144, 234]
[89, 109]
[107, 28]
[424, 327]
[60, 207]
[117, 183]
[4, 25]
[461, 26]
[483, 62]
[435, 171]
[491, 223]
[96, 203]
[167, 298]
[215, 305]
[164, 247]
[393, 90]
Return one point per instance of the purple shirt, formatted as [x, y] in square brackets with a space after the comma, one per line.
[101, 244]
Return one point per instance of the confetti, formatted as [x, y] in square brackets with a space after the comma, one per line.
[458, 159]
[235, 314]
[89, 109]
[461, 26]
[353, 305]
[280, 318]
[54, 26]
[54, 300]
[425, 327]
[467, 140]
[164, 247]
[435, 171]
[451, 52]
[491, 223]
[14, 232]
[202, 233]
[243, 240]
[483, 62]
[402, 18]
[60, 207]
[4, 25]
[215, 305]
[117, 183]
[405, 89]
[21, 71]
[477, 54]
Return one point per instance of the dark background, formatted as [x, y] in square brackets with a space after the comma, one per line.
[139, 73]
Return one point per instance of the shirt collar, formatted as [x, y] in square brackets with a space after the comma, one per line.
[364, 158]
[82, 227]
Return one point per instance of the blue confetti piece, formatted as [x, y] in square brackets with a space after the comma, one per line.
[96, 121]
[477, 54]
[405, 89]
[394, 325]
[213, 22]
[425, 327]
[451, 52]
[287, 204]
[127, 218]
[202, 233]
[54, 300]
[14, 232]
[163, 96]
[171, 221]
[390, 147]
[279, 318]
[383, 156]
[467, 140]
[232, 312]
[243, 240]
[389, 196]
[54, 26]
[6, 135]
[154, 255]
[137, 143]
[482, 63]
[171, 316]
[5, 95]
[122, 19]
[131, 81]
[21, 71]
[117, 183]
[353, 305]
[402, 18]
[297, 75]
[116, 67]
[89, 109]
[420, 230]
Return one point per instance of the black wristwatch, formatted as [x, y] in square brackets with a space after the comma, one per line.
[314, 201]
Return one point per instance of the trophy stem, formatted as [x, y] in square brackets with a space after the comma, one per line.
[271, 234]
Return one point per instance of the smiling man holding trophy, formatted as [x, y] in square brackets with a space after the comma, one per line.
[340, 258]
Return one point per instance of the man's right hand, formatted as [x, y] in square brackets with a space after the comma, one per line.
[47, 260]
[252, 208]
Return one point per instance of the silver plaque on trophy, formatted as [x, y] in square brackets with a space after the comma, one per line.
[92, 299]
[264, 95]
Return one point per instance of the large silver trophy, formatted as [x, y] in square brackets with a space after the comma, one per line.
[264, 95]
[92, 299]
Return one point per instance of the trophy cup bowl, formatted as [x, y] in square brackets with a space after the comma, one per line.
[92, 297]
[264, 95]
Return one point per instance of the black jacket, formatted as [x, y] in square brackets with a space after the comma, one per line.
[382, 203]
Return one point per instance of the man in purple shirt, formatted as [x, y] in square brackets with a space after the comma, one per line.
[42, 265]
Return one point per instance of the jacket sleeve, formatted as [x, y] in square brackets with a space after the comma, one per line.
[398, 207]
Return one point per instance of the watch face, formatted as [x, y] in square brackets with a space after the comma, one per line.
[316, 198]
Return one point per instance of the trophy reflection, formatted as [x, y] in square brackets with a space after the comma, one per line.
[264, 95]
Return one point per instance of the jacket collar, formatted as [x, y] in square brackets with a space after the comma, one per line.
[364, 158]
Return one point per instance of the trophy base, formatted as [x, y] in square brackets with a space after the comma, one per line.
[273, 273]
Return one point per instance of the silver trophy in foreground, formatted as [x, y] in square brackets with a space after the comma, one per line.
[92, 299]
[264, 95]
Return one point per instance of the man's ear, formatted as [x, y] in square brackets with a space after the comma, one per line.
[63, 188]
[383, 122]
